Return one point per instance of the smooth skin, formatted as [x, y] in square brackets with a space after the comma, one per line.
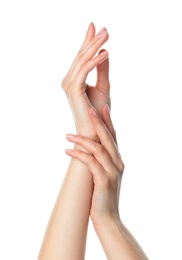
[69, 219]
[82, 96]
[104, 162]
[65, 236]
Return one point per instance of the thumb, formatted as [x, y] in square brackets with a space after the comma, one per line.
[103, 75]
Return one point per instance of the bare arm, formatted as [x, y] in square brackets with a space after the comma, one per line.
[105, 163]
[65, 236]
[117, 241]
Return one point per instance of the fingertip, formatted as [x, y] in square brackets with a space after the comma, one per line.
[91, 30]
[104, 53]
[102, 50]
[70, 136]
[105, 112]
[107, 109]
[93, 112]
[68, 151]
[104, 65]
[91, 24]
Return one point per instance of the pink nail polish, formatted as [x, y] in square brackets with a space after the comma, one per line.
[102, 33]
[104, 53]
[94, 112]
[107, 108]
[103, 60]
[70, 136]
[68, 151]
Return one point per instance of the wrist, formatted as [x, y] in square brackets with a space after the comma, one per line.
[90, 133]
[106, 221]
[107, 227]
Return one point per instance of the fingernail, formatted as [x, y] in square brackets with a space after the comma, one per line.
[102, 33]
[94, 112]
[103, 53]
[68, 151]
[69, 136]
[107, 108]
[103, 60]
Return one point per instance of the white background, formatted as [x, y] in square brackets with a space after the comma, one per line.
[39, 40]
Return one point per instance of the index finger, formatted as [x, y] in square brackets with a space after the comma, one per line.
[89, 35]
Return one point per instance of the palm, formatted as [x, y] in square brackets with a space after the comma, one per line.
[100, 95]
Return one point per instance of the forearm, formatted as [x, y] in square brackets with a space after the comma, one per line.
[118, 243]
[65, 236]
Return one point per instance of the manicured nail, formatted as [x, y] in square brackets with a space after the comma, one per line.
[94, 112]
[103, 53]
[107, 108]
[70, 136]
[68, 151]
[103, 59]
[102, 33]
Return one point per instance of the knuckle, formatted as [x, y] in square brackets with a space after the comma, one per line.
[83, 68]
[121, 165]
[63, 83]
[80, 53]
[79, 153]
[80, 57]
[81, 140]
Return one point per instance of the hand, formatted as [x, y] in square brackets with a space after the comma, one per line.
[104, 162]
[80, 95]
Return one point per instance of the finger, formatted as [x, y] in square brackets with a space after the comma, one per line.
[89, 35]
[105, 114]
[90, 65]
[88, 52]
[86, 55]
[94, 148]
[93, 46]
[106, 138]
[103, 75]
[92, 164]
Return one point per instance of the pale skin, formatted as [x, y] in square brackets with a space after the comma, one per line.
[91, 186]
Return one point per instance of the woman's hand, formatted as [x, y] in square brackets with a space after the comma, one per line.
[105, 163]
[80, 95]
